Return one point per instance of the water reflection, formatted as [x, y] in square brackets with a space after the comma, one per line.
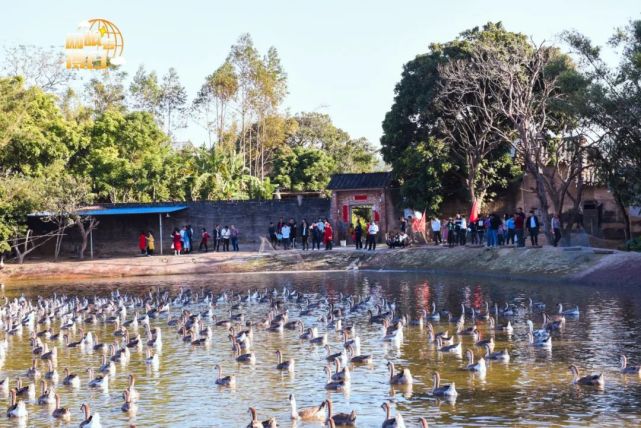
[534, 388]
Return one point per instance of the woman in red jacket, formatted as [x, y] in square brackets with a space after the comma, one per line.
[177, 242]
[328, 235]
[142, 243]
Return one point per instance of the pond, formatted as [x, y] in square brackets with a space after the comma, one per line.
[534, 388]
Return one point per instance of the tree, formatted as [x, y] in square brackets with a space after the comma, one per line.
[610, 107]
[40, 67]
[245, 59]
[65, 195]
[468, 119]
[302, 169]
[172, 99]
[126, 158]
[526, 90]
[411, 128]
[423, 169]
[20, 196]
[85, 225]
[216, 93]
[316, 130]
[107, 92]
[146, 92]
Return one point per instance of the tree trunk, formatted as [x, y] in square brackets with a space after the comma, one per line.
[544, 208]
[627, 226]
[85, 232]
[59, 235]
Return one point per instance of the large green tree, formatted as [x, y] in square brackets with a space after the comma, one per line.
[33, 133]
[128, 158]
[611, 110]
[302, 169]
[316, 130]
[413, 128]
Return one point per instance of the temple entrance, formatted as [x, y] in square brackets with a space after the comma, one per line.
[364, 213]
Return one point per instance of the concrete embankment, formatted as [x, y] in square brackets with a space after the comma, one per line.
[576, 265]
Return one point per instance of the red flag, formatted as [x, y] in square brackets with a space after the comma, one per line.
[474, 215]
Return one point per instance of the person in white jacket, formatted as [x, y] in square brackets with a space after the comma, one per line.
[372, 231]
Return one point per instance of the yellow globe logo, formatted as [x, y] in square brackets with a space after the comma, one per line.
[96, 45]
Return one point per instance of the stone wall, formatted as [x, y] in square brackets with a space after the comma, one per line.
[119, 234]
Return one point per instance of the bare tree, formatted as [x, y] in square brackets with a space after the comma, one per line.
[43, 67]
[86, 225]
[525, 89]
[469, 121]
[62, 202]
[23, 245]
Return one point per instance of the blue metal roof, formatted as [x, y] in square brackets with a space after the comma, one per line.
[156, 209]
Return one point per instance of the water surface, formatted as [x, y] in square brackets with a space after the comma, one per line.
[534, 389]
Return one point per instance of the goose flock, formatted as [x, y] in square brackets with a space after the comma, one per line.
[200, 318]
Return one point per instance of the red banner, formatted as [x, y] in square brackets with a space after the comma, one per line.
[345, 213]
[474, 214]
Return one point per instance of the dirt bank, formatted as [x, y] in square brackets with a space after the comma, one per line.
[577, 265]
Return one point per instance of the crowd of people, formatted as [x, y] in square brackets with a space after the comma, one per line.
[146, 243]
[290, 234]
[182, 241]
[490, 230]
[493, 229]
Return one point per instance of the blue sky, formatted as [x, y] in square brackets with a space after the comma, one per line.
[342, 57]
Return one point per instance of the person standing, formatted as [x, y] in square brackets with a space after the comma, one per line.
[177, 242]
[403, 225]
[233, 234]
[150, 243]
[533, 228]
[271, 231]
[315, 237]
[493, 230]
[451, 232]
[215, 238]
[511, 231]
[506, 217]
[358, 235]
[436, 230]
[225, 234]
[473, 232]
[285, 231]
[293, 232]
[556, 228]
[519, 224]
[457, 229]
[186, 241]
[190, 236]
[142, 242]
[204, 240]
[183, 238]
[372, 231]
[480, 229]
[463, 236]
[304, 234]
[328, 235]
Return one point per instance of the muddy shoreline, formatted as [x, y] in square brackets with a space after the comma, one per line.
[576, 265]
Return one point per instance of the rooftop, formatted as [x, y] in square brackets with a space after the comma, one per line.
[364, 180]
